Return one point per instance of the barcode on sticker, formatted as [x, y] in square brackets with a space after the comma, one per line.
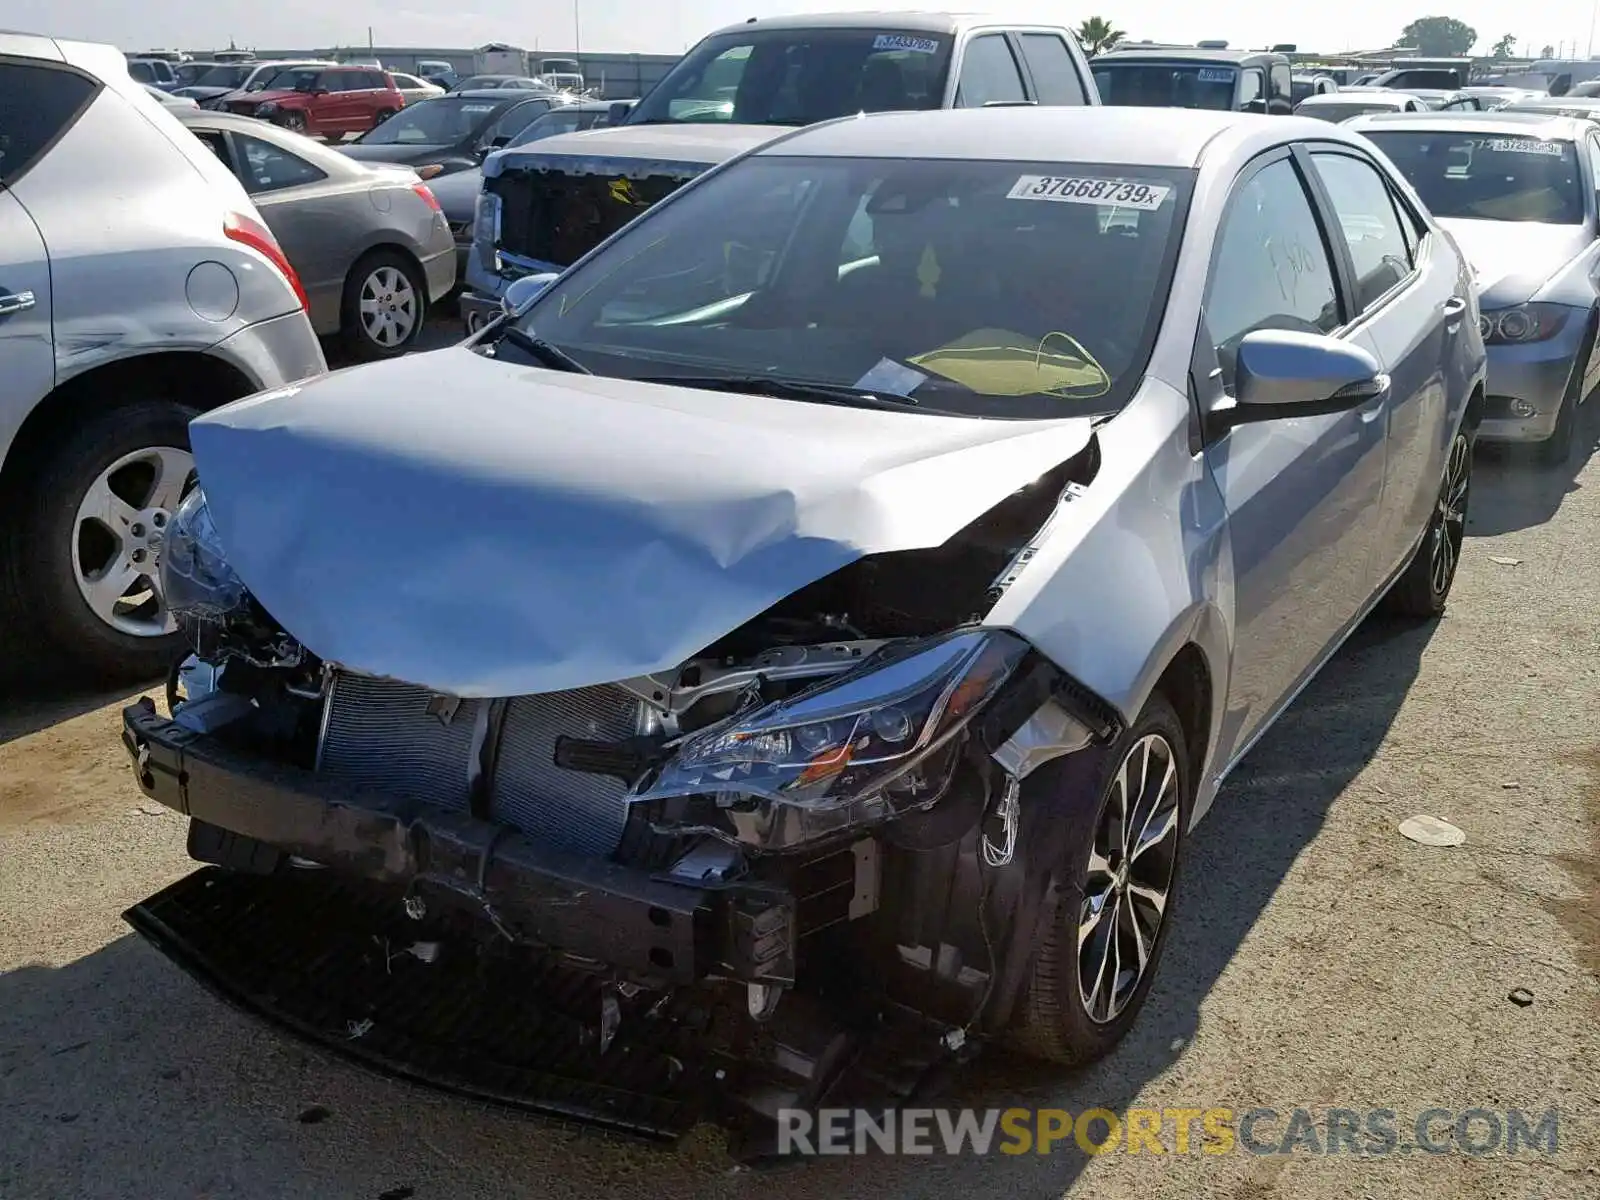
[1525, 146]
[1216, 75]
[1120, 193]
[901, 41]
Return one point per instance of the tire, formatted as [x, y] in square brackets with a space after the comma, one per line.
[383, 115]
[1557, 448]
[137, 453]
[1055, 1022]
[382, 277]
[1424, 587]
[294, 122]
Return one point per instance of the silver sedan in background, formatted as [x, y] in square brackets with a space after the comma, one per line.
[370, 244]
[1517, 192]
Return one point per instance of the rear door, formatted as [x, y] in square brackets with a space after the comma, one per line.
[1407, 313]
[39, 103]
[1053, 74]
[988, 73]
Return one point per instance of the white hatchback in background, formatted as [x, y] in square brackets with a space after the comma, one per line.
[414, 89]
[138, 287]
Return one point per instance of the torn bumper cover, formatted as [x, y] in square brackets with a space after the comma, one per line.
[626, 917]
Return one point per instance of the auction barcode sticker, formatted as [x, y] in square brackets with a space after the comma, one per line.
[1525, 146]
[1073, 190]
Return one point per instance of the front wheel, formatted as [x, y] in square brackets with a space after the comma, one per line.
[1424, 587]
[294, 122]
[1112, 900]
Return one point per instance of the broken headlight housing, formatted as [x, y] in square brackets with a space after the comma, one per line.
[202, 591]
[866, 745]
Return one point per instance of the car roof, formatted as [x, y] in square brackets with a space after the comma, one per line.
[1512, 123]
[1347, 96]
[1182, 53]
[1153, 137]
[895, 22]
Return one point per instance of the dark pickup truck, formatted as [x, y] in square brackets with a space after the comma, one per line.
[547, 204]
[1184, 77]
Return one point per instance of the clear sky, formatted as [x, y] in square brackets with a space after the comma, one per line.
[668, 25]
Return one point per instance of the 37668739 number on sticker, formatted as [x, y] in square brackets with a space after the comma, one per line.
[1122, 193]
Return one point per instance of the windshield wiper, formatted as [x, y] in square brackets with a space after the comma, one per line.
[783, 389]
[549, 355]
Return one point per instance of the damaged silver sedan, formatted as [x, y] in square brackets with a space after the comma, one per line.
[789, 651]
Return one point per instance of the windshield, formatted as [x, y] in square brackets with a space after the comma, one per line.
[798, 76]
[552, 123]
[1341, 112]
[1484, 178]
[1164, 85]
[226, 76]
[440, 121]
[987, 289]
[295, 79]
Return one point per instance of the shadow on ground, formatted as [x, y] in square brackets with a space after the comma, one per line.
[1512, 491]
[122, 1036]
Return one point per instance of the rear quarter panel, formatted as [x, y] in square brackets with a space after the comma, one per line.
[129, 203]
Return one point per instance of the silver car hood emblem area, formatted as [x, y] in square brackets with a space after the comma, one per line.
[483, 529]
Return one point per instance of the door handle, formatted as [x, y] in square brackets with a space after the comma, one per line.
[1454, 309]
[15, 302]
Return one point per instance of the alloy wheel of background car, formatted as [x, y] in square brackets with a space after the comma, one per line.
[295, 122]
[91, 528]
[1114, 897]
[1423, 587]
[1129, 878]
[384, 306]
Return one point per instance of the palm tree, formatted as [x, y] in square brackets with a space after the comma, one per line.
[1098, 35]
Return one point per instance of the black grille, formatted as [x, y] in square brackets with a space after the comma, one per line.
[557, 218]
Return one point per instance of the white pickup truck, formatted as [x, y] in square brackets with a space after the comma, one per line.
[546, 204]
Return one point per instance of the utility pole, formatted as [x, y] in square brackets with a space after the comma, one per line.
[577, 29]
[1593, 9]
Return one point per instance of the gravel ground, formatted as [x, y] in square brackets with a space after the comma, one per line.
[1319, 959]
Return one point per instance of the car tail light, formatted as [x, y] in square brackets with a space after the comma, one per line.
[248, 231]
[427, 195]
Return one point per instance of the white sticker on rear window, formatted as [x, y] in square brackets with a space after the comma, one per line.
[1120, 193]
[901, 41]
[477, 108]
[1525, 146]
[1216, 75]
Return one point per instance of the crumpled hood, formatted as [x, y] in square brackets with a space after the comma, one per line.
[491, 530]
[1514, 259]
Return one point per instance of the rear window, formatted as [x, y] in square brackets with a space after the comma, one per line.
[1484, 178]
[37, 105]
[1166, 85]
[799, 76]
[1341, 112]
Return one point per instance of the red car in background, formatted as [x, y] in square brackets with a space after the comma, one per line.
[324, 101]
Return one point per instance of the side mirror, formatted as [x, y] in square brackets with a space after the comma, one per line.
[617, 113]
[1254, 106]
[521, 293]
[1282, 373]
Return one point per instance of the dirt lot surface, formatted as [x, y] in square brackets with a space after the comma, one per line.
[1320, 960]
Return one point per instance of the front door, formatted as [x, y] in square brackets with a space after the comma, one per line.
[27, 350]
[1301, 493]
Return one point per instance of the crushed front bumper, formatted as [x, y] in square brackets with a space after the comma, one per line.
[641, 924]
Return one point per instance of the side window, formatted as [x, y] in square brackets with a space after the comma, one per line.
[217, 143]
[374, 79]
[1410, 227]
[267, 168]
[988, 73]
[1282, 82]
[141, 72]
[1055, 74]
[1249, 87]
[37, 105]
[1271, 269]
[1367, 219]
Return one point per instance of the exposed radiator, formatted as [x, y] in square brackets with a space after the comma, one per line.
[407, 741]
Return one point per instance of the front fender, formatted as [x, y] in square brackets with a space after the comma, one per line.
[1139, 569]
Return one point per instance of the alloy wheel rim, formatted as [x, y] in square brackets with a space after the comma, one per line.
[388, 307]
[1131, 867]
[118, 534]
[1450, 517]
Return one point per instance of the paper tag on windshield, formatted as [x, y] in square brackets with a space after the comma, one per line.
[896, 379]
[901, 41]
[1216, 75]
[1147, 197]
[1525, 146]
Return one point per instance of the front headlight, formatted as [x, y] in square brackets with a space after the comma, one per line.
[201, 589]
[266, 109]
[871, 743]
[1522, 323]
